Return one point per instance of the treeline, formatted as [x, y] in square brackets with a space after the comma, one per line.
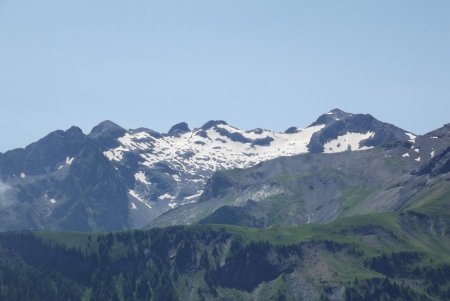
[395, 264]
[383, 290]
[161, 264]
[435, 279]
[20, 282]
[140, 265]
[128, 266]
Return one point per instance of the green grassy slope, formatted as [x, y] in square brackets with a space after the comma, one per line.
[387, 255]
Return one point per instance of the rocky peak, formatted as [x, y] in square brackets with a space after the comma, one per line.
[213, 123]
[106, 133]
[332, 117]
[342, 125]
[106, 128]
[178, 129]
[291, 130]
[74, 131]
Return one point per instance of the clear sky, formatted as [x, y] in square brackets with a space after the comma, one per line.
[269, 64]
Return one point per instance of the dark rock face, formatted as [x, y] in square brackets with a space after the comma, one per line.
[216, 186]
[94, 192]
[65, 183]
[263, 141]
[258, 131]
[439, 165]
[246, 216]
[212, 123]
[331, 117]
[43, 155]
[107, 128]
[106, 133]
[237, 137]
[178, 129]
[291, 130]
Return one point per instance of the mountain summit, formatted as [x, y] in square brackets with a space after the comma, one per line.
[178, 129]
[332, 116]
[346, 127]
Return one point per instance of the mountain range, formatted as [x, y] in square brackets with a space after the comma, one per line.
[349, 208]
[115, 179]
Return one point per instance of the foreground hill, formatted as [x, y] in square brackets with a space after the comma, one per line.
[384, 256]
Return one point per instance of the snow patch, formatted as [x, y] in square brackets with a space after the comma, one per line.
[140, 176]
[260, 193]
[141, 135]
[166, 196]
[350, 141]
[172, 205]
[138, 197]
[434, 137]
[197, 181]
[53, 201]
[417, 159]
[432, 154]
[417, 150]
[412, 137]
[405, 155]
[3, 188]
[109, 154]
[69, 160]
[23, 175]
[133, 206]
[115, 154]
[229, 128]
[194, 196]
[134, 141]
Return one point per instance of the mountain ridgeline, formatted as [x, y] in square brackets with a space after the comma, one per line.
[115, 179]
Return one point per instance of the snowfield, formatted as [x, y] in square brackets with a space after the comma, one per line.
[193, 156]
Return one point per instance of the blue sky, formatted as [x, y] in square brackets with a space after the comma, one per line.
[269, 64]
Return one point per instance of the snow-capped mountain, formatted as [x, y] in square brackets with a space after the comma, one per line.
[185, 159]
[114, 178]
